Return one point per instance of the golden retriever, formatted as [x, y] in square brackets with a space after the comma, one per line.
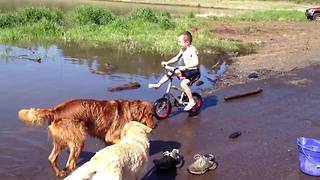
[125, 160]
[71, 121]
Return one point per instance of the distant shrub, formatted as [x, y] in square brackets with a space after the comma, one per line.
[85, 15]
[165, 21]
[33, 15]
[43, 28]
[191, 15]
[120, 25]
[7, 20]
[164, 14]
[145, 14]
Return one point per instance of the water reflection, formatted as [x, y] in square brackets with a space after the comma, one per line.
[72, 60]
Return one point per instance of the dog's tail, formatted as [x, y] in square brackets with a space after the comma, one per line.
[86, 171]
[35, 117]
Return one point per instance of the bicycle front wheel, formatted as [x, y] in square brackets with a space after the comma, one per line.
[162, 108]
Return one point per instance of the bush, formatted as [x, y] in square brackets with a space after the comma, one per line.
[43, 28]
[145, 14]
[165, 22]
[7, 21]
[33, 15]
[86, 15]
[191, 15]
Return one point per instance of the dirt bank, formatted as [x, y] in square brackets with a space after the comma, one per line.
[284, 46]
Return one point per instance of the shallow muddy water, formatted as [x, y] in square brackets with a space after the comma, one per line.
[66, 72]
[69, 72]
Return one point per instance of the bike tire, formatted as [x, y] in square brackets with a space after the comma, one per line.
[196, 109]
[162, 108]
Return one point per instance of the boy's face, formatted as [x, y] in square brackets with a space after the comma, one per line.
[182, 43]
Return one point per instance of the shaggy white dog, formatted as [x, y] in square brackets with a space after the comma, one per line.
[125, 160]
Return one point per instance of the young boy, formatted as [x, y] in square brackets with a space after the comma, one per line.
[189, 72]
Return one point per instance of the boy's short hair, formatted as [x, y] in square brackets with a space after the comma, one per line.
[187, 36]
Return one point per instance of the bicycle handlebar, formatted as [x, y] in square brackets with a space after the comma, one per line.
[171, 68]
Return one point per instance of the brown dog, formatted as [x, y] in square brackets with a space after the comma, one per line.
[69, 122]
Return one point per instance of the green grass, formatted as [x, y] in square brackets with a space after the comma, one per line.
[270, 15]
[142, 30]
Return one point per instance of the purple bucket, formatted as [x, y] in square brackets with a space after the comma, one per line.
[309, 155]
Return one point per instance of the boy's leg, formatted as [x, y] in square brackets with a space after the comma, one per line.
[157, 85]
[187, 90]
[164, 79]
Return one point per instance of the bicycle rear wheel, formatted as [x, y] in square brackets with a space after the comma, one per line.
[162, 108]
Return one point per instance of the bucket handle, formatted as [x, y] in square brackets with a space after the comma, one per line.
[308, 157]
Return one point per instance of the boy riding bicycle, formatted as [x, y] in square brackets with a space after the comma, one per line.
[189, 72]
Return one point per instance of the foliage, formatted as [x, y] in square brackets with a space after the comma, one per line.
[7, 21]
[93, 15]
[164, 20]
[191, 15]
[145, 14]
[29, 16]
[33, 15]
[272, 15]
[141, 30]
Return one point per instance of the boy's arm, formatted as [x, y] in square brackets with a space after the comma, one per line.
[172, 60]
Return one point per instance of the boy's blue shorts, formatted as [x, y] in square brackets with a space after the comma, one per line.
[192, 74]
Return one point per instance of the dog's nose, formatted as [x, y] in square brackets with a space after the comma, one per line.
[155, 125]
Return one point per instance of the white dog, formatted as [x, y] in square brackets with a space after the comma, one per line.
[125, 160]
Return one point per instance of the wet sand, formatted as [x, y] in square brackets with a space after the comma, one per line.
[270, 123]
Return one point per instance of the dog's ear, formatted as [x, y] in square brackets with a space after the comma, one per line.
[125, 129]
[148, 113]
[146, 128]
[142, 126]
[136, 110]
[142, 111]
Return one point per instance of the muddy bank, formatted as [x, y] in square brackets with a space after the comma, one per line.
[284, 47]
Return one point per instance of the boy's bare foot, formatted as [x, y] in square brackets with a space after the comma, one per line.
[190, 105]
[156, 86]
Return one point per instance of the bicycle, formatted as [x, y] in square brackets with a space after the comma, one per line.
[162, 107]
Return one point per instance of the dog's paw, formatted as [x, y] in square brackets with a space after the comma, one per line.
[61, 173]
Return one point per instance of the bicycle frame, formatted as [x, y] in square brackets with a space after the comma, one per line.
[174, 88]
[162, 106]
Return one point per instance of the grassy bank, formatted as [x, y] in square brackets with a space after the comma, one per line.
[234, 4]
[270, 15]
[141, 30]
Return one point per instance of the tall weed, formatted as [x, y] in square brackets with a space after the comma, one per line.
[145, 14]
[31, 15]
[7, 21]
[85, 15]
